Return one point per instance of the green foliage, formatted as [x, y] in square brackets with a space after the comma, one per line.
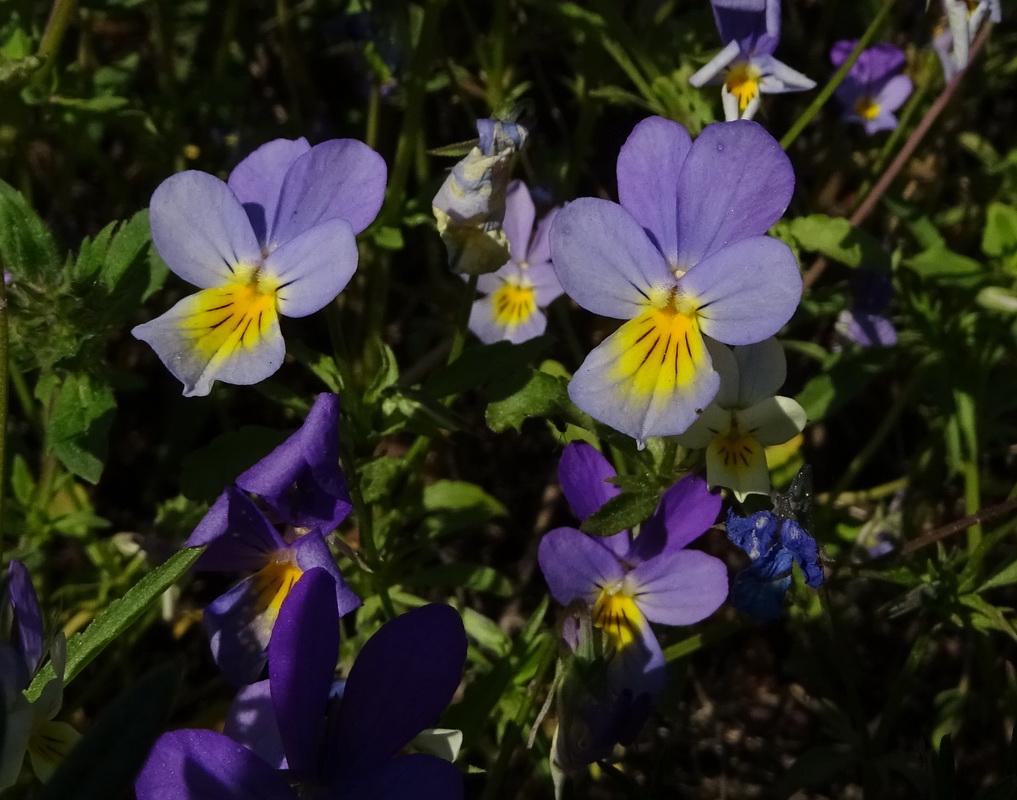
[79, 426]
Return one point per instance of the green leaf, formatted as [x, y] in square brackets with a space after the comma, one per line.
[942, 265]
[843, 376]
[28, 249]
[1004, 577]
[480, 365]
[463, 575]
[323, 366]
[623, 511]
[458, 495]
[378, 478]
[99, 105]
[386, 376]
[999, 238]
[209, 469]
[117, 617]
[106, 761]
[541, 395]
[79, 427]
[836, 238]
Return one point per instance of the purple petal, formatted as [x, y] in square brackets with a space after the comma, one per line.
[583, 472]
[341, 178]
[841, 50]
[27, 633]
[203, 765]
[894, 93]
[649, 164]
[251, 722]
[735, 183]
[201, 230]
[867, 329]
[238, 535]
[747, 291]
[576, 566]
[684, 513]
[544, 280]
[540, 247]
[311, 551]
[313, 267]
[301, 479]
[604, 259]
[239, 631]
[411, 777]
[681, 587]
[258, 179]
[639, 669]
[301, 664]
[518, 222]
[742, 19]
[400, 683]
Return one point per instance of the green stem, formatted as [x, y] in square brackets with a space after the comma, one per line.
[827, 91]
[967, 422]
[900, 691]
[56, 26]
[459, 337]
[669, 458]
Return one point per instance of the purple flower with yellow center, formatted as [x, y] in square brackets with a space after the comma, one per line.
[963, 19]
[525, 284]
[873, 88]
[629, 581]
[302, 483]
[745, 417]
[746, 67]
[278, 238]
[332, 748]
[684, 256]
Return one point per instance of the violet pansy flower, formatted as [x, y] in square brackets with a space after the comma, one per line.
[628, 582]
[746, 67]
[684, 256]
[873, 88]
[518, 291]
[337, 749]
[964, 18]
[278, 238]
[867, 322]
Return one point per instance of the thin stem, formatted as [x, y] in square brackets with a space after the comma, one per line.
[980, 516]
[827, 91]
[459, 337]
[56, 26]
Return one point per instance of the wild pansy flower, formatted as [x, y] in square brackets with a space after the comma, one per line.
[745, 417]
[302, 483]
[746, 67]
[344, 748]
[29, 727]
[525, 284]
[470, 205]
[964, 18]
[873, 88]
[774, 541]
[684, 256]
[278, 238]
[867, 322]
[628, 582]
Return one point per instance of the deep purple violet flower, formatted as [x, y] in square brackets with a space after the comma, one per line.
[746, 67]
[867, 322]
[873, 88]
[346, 749]
[683, 257]
[278, 238]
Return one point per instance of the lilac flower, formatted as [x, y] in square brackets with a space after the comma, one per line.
[629, 581]
[964, 17]
[279, 238]
[302, 483]
[745, 417]
[525, 284]
[337, 749]
[873, 88]
[470, 205]
[867, 322]
[29, 727]
[746, 67]
[683, 256]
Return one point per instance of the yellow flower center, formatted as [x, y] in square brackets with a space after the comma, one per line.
[617, 615]
[866, 108]
[743, 82]
[514, 304]
[272, 583]
[736, 450]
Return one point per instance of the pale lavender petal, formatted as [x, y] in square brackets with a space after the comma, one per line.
[518, 222]
[410, 777]
[681, 587]
[311, 551]
[490, 282]
[26, 629]
[400, 683]
[779, 78]
[649, 164]
[583, 472]
[540, 247]
[313, 267]
[576, 566]
[204, 765]
[341, 178]
[239, 631]
[485, 324]
[258, 179]
[201, 230]
[712, 73]
[238, 535]
[883, 122]
[604, 259]
[747, 291]
[251, 722]
[302, 655]
[896, 91]
[684, 513]
[736, 182]
[544, 280]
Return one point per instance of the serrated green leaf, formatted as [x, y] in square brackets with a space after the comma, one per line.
[620, 513]
[210, 469]
[79, 427]
[838, 239]
[541, 395]
[378, 478]
[28, 249]
[117, 617]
